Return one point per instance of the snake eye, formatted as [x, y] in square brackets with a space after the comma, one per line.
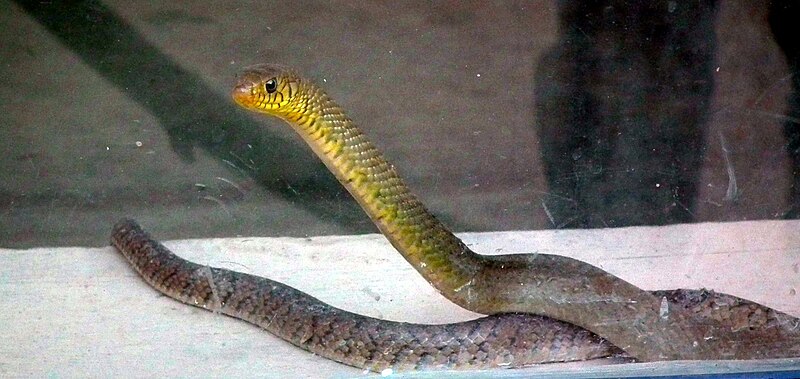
[271, 85]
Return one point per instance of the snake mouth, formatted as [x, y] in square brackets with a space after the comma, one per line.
[242, 94]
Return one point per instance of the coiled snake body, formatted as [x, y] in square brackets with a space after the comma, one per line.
[663, 325]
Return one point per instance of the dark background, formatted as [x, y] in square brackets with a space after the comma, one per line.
[512, 115]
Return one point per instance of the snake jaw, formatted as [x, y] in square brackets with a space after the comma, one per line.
[242, 95]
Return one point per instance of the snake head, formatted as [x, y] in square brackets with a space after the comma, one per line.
[270, 89]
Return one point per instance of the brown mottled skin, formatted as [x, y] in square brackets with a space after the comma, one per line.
[507, 340]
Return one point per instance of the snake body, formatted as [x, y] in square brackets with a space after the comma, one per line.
[662, 325]
[507, 340]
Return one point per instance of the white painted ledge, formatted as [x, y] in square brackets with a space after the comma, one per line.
[75, 312]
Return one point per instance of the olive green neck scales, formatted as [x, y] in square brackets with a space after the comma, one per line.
[380, 191]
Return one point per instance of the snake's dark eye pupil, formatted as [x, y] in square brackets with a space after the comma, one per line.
[271, 85]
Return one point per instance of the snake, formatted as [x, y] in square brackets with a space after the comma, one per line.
[505, 340]
[558, 307]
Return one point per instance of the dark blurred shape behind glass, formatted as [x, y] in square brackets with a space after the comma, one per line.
[624, 99]
[630, 85]
[783, 20]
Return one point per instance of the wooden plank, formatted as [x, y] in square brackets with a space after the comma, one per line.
[72, 312]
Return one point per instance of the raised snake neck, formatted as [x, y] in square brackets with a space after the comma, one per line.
[680, 324]
[549, 285]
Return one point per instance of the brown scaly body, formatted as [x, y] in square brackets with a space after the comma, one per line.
[498, 341]
[507, 340]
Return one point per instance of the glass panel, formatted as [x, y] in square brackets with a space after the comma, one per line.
[503, 117]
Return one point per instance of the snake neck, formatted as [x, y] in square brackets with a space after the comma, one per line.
[425, 242]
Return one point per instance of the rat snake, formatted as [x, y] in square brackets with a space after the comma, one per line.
[525, 294]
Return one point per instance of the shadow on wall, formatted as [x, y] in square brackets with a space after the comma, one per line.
[630, 87]
[613, 150]
[192, 114]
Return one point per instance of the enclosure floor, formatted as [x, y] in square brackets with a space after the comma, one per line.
[75, 312]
